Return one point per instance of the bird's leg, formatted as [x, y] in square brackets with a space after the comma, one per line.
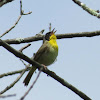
[45, 67]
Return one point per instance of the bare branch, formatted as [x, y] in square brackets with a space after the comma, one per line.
[90, 11]
[11, 27]
[12, 84]
[48, 72]
[24, 47]
[6, 96]
[27, 13]
[22, 72]
[18, 71]
[22, 98]
[2, 2]
[40, 33]
[50, 27]
[13, 73]
[59, 36]
[21, 13]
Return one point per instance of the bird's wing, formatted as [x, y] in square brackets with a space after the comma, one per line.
[42, 49]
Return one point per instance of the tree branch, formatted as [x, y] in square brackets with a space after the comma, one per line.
[59, 36]
[26, 93]
[21, 13]
[6, 96]
[22, 72]
[90, 11]
[2, 2]
[48, 72]
[13, 72]
[18, 71]
[12, 84]
[11, 27]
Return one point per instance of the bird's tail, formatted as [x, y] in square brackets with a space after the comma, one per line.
[29, 75]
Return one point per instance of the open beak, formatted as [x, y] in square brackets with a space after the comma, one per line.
[53, 32]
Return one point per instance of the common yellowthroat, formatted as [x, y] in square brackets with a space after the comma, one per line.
[46, 54]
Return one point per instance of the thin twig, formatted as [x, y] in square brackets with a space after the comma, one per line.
[18, 78]
[27, 13]
[6, 96]
[26, 93]
[24, 47]
[18, 71]
[50, 27]
[11, 27]
[21, 51]
[13, 72]
[90, 11]
[12, 84]
[48, 72]
[21, 13]
[40, 33]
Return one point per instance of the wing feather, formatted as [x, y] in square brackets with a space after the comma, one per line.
[43, 49]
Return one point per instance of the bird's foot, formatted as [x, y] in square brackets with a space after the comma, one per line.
[45, 67]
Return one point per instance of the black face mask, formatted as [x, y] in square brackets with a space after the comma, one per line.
[47, 36]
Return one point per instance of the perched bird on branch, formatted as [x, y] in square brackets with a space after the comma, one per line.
[46, 54]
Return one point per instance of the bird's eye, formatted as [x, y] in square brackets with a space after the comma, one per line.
[47, 36]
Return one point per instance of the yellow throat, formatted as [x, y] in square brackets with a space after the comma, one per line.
[53, 41]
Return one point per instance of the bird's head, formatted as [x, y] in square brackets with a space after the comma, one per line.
[50, 35]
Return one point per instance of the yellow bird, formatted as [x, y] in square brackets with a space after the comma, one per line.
[46, 54]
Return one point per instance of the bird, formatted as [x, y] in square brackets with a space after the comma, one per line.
[46, 55]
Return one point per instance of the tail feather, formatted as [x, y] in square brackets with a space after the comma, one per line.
[29, 75]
